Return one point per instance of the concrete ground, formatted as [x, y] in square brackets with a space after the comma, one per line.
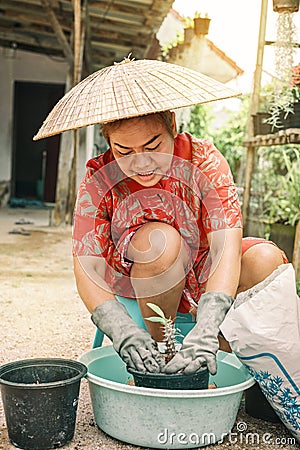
[43, 316]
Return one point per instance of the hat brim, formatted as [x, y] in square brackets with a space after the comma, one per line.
[130, 89]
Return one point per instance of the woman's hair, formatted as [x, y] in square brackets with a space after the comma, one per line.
[164, 117]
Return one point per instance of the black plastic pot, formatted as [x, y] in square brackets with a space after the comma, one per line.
[293, 118]
[260, 127]
[256, 405]
[198, 380]
[40, 398]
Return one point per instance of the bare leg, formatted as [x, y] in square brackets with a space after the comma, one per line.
[258, 262]
[157, 274]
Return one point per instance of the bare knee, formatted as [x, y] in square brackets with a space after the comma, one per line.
[155, 244]
[258, 262]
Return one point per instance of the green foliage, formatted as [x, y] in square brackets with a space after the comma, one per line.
[166, 48]
[198, 15]
[279, 181]
[229, 137]
[200, 120]
[298, 288]
[282, 98]
[168, 45]
[275, 193]
[188, 22]
[280, 109]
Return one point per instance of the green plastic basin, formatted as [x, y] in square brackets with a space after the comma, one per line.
[163, 418]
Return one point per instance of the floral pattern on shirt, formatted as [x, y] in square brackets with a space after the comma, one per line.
[196, 196]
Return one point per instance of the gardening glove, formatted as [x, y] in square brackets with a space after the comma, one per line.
[134, 344]
[201, 344]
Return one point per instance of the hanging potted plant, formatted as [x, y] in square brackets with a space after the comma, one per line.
[188, 29]
[198, 380]
[259, 119]
[172, 53]
[260, 125]
[296, 83]
[282, 96]
[285, 6]
[201, 24]
[294, 119]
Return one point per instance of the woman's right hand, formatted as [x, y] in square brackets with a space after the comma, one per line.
[134, 344]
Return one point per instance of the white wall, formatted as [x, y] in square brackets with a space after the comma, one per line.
[21, 66]
[169, 28]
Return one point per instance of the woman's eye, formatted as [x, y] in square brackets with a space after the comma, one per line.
[124, 154]
[151, 149]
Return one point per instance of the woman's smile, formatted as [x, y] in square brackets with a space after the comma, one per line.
[146, 176]
[143, 148]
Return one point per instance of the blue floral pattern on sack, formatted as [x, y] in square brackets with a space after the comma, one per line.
[281, 398]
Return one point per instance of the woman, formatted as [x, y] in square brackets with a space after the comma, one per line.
[158, 219]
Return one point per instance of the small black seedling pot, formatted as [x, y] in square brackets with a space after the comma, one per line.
[180, 381]
[40, 398]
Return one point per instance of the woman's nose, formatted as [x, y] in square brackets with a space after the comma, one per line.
[142, 160]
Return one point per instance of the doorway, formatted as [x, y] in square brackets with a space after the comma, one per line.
[35, 163]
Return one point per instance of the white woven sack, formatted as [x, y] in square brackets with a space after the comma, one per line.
[263, 329]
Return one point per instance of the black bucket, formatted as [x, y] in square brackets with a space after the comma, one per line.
[40, 398]
[180, 381]
[256, 405]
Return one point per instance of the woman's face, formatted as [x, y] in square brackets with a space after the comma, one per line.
[143, 148]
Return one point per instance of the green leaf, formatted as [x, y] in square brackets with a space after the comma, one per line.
[157, 310]
[156, 319]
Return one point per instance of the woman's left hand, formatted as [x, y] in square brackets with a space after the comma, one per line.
[200, 346]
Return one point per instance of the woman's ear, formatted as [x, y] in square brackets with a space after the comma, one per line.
[174, 125]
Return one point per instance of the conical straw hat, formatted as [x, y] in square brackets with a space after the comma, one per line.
[129, 89]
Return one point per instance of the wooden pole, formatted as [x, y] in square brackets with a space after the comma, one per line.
[79, 29]
[68, 158]
[87, 42]
[77, 39]
[76, 78]
[64, 169]
[250, 159]
[250, 163]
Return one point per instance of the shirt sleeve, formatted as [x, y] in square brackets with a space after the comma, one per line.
[218, 193]
[91, 224]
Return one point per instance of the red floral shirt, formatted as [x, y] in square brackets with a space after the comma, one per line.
[196, 196]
